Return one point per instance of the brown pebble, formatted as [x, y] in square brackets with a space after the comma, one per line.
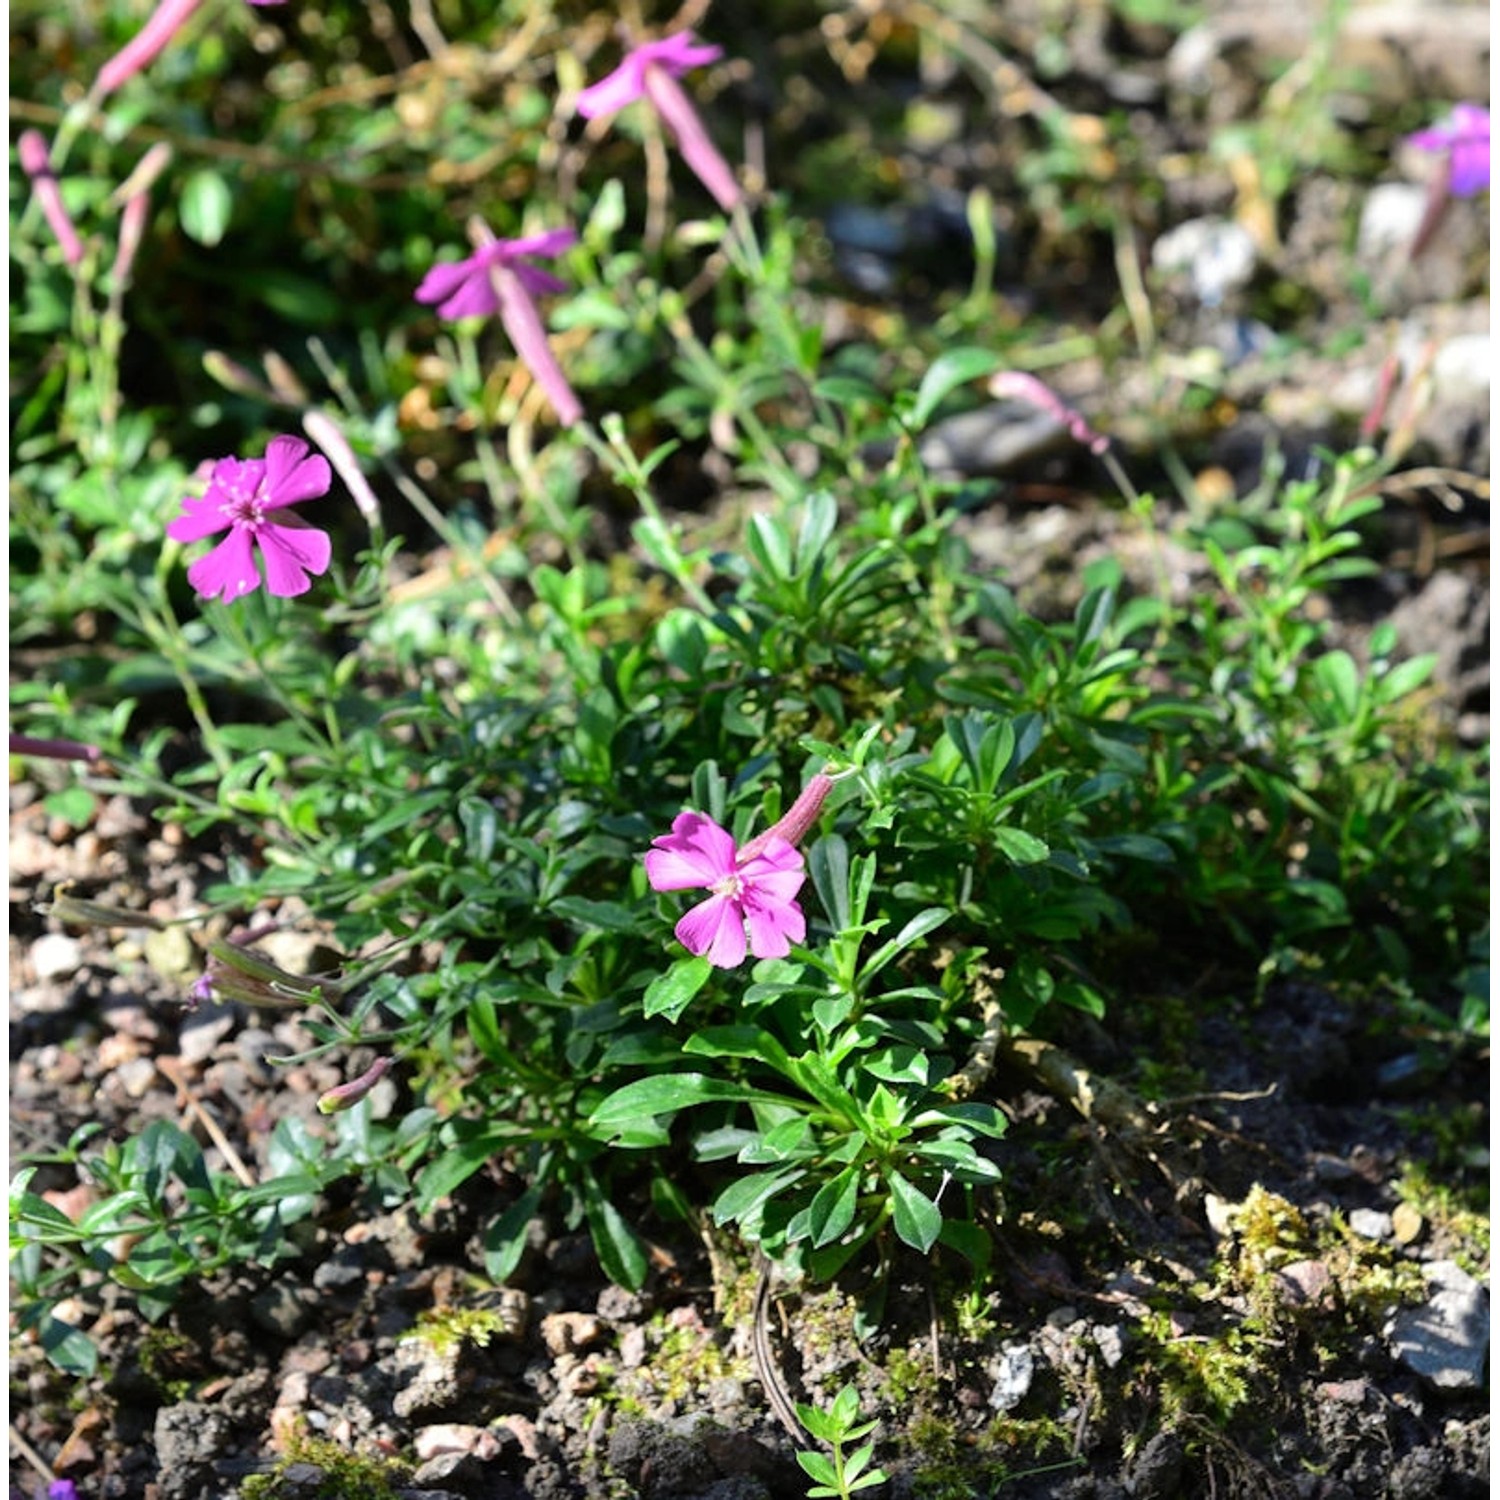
[1407, 1224]
[564, 1332]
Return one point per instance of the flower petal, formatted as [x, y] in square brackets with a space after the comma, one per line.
[524, 325]
[697, 852]
[716, 930]
[461, 288]
[293, 473]
[774, 924]
[292, 550]
[613, 92]
[547, 244]
[202, 515]
[228, 570]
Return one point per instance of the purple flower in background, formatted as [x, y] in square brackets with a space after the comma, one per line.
[1465, 135]
[651, 71]
[242, 495]
[62, 1489]
[36, 163]
[758, 893]
[498, 279]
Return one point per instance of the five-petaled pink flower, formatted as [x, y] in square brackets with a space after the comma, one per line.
[1465, 136]
[651, 71]
[759, 892]
[497, 279]
[244, 495]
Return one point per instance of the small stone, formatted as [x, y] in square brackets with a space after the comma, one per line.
[1407, 1224]
[202, 1032]
[279, 1311]
[137, 1077]
[1220, 1215]
[1217, 256]
[566, 1332]
[633, 1348]
[1305, 1283]
[456, 1437]
[1013, 1372]
[1390, 218]
[460, 1471]
[1446, 1340]
[55, 955]
[1371, 1224]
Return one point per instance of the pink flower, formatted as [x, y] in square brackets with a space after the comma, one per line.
[166, 21]
[652, 70]
[1016, 385]
[759, 893]
[495, 279]
[1465, 136]
[35, 162]
[240, 495]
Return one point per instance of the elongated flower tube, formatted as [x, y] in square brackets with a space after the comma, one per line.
[651, 71]
[35, 162]
[1015, 385]
[24, 744]
[498, 278]
[347, 1095]
[166, 21]
[322, 429]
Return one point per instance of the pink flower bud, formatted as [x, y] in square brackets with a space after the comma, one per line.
[347, 1095]
[795, 822]
[166, 21]
[32, 149]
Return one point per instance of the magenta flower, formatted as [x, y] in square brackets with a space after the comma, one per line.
[36, 163]
[758, 893]
[242, 494]
[1465, 136]
[652, 70]
[166, 21]
[496, 279]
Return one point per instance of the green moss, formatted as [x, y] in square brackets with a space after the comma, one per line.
[446, 1328]
[346, 1476]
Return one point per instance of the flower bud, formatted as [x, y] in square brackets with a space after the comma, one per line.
[347, 1095]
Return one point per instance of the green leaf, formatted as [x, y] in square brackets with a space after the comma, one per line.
[743, 1198]
[949, 371]
[69, 1348]
[1338, 676]
[671, 993]
[832, 1210]
[917, 1218]
[505, 1239]
[621, 1251]
[645, 1098]
[818, 1466]
[1018, 846]
[205, 206]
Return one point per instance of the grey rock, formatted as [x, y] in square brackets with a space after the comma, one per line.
[1446, 1340]
[55, 955]
[188, 1437]
[1389, 220]
[1215, 257]
[279, 1310]
[1371, 1224]
[203, 1031]
[1013, 1373]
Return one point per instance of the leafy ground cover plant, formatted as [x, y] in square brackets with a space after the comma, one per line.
[924, 816]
